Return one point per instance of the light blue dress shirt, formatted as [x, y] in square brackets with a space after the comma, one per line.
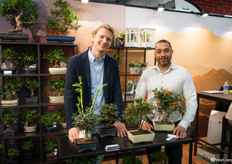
[96, 76]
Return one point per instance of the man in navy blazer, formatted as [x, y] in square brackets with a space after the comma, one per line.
[79, 65]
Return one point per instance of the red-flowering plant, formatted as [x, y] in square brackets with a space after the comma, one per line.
[168, 102]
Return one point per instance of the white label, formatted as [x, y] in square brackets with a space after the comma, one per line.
[7, 72]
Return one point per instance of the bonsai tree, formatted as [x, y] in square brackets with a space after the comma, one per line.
[133, 64]
[8, 89]
[13, 153]
[85, 119]
[29, 116]
[50, 145]
[48, 119]
[32, 85]
[128, 158]
[160, 157]
[108, 114]
[63, 18]
[55, 55]
[135, 113]
[9, 54]
[19, 13]
[8, 119]
[143, 65]
[57, 86]
[29, 58]
[168, 102]
[27, 146]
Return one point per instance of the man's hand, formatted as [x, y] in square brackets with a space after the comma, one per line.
[121, 129]
[180, 131]
[73, 134]
[146, 125]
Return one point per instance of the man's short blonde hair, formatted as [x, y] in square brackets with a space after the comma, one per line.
[106, 26]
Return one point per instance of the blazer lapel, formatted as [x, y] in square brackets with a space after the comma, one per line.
[106, 77]
[85, 65]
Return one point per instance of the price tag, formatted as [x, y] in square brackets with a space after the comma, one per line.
[7, 72]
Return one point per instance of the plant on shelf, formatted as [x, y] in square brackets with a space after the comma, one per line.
[142, 66]
[51, 149]
[1, 148]
[134, 68]
[160, 157]
[19, 12]
[134, 114]
[29, 116]
[10, 55]
[61, 113]
[29, 60]
[50, 121]
[120, 40]
[27, 148]
[13, 154]
[128, 158]
[32, 85]
[117, 57]
[167, 103]
[8, 119]
[57, 88]
[8, 90]
[63, 18]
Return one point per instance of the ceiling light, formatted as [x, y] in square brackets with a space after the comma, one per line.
[160, 7]
[204, 13]
[84, 1]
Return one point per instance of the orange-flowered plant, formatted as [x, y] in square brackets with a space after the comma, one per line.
[168, 102]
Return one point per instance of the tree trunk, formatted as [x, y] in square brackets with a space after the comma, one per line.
[18, 22]
[32, 92]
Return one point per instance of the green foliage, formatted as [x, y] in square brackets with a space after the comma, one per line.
[108, 114]
[81, 161]
[143, 65]
[7, 118]
[160, 157]
[55, 55]
[11, 85]
[133, 64]
[61, 112]
[13, 153]
[29, 57]
[64, 18]
[168, 102]
[49, 118]
[29, 116]
[50, 145]
[9, 54]
[57, 86]
[121, 35]
[31, 84]
[117, 57]
[27, 145]
[135, 113]
[19, 12]
[127, 159]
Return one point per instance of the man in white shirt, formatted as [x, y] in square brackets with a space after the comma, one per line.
[174, 78]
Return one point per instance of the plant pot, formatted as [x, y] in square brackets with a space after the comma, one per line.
[159, 126]
[51, 128]
[13, 37]
[13, 161]
[9, 102]
[83, 145]
[8, 133]
[31, 100]
[104, 132]
[57, 70]
[30, 70]
[120, 42]
[134, 70]
[140, 137]
[50, 156]
[60, 39]
[30, 129]
[13, 70]
[63, 125]
[56, 99]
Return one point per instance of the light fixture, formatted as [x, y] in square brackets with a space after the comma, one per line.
[204, 13]
[160, 7]
[84, 1]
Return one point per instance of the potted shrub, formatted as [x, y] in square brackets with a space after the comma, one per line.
[8, 90]
[61, 112]
[128, 159]
[27, 148]
[50, 121]
[142, 66]
[10, 55]
[20, 13]
[51, 150]
[63, 19]
[167, 102]
[57, 87]
[29, 60]
[85, 119]
[56, 55]
[134, 68]
[8, 119]
[108, 114]
[159, 157]
[32, 85]
[29, 116]
[120, 40]
[13, 154]
[134, 114]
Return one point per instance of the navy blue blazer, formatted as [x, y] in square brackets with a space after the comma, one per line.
[79, 66]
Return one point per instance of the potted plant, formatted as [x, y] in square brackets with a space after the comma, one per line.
[29, 60]
[27, 148]
[32, 85]
[13, 154]
[8, 119]
[159, 157]
[120, 40]
[20, 13]
[167, 103]
[56, 55]
[108, 114]
[134, 68]
[134, 114]
[10, 55]
[128, 159]
[85, 119]
[142, 66]
[8, 90]
[57, 87]
[61, 112]
[51, 149]
[29, 116]
[63, 19]
[50, 121]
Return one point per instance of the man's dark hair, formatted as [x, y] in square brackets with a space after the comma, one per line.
[163, 41]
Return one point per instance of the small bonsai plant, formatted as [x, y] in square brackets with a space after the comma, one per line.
[49, 119]
[63, 18]
[120, 39]
[50, 146]
[121, 35]
[27, 146]
[133, 64]
[128, 158]
[32, 85]
[29, 60]
[8, 119]
[19, 13]
[13, 153]
[143, 65]
[29, 116]
[57, 86]
[9, 54]
[159, 156]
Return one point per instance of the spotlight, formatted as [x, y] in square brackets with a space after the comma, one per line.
[204, 13]
[160, 7]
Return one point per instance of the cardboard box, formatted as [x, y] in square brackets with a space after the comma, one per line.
[208, 154]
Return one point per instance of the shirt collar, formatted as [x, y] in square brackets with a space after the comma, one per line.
[92, 57]
[172, 66]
